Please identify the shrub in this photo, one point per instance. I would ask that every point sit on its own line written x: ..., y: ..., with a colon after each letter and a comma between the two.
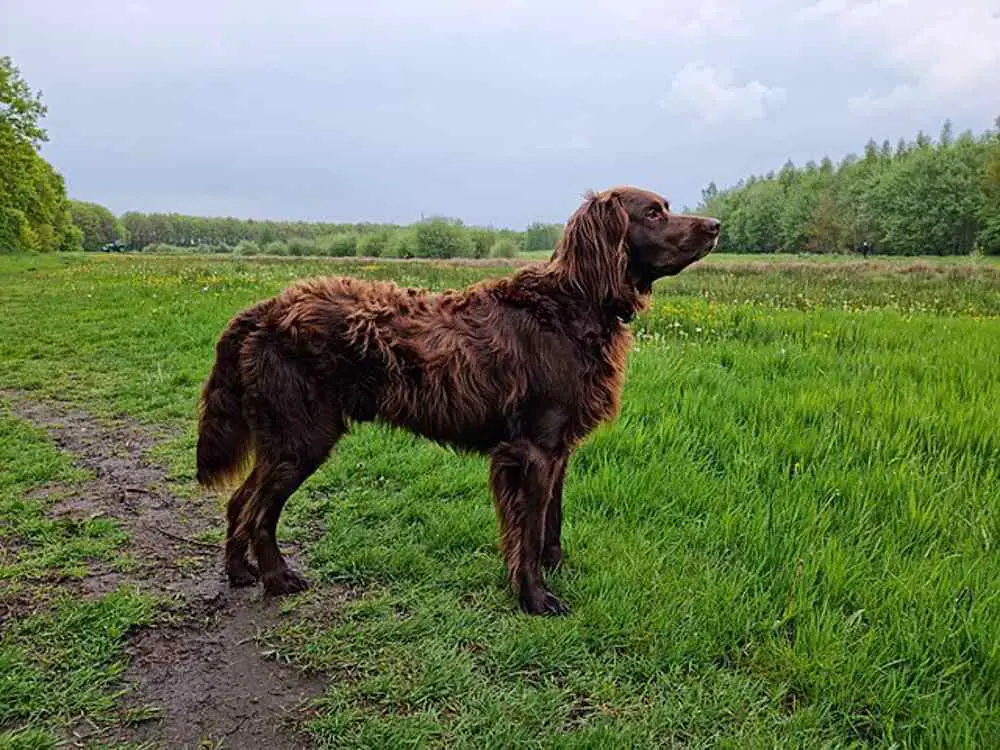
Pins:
x: 299, y: 247
x: 72, y: 241
x: 246, y: 247
x: 341, y: 245
x: 442, y: 238
x: 374, y: 245
x: 402, y: 244
x: 988, y: 240
x: 15, y: 231
x: 504, y: 248
x: 482, y: 241
x: 276, y: 247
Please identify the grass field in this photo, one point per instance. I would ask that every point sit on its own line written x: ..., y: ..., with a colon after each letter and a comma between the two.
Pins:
x: 788, y: 539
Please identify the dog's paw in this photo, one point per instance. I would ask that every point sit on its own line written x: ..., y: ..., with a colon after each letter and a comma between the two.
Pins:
x: 543, y: 602
x: 242, y: 574
x: 283, y: 581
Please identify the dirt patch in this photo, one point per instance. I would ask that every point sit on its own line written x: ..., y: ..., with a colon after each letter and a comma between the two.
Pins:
x: 201, y: 677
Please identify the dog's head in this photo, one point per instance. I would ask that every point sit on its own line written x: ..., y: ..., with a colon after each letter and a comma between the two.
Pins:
x: 622, y: 240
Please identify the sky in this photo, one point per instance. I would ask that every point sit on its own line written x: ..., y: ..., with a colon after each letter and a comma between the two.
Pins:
x: 500, y: 113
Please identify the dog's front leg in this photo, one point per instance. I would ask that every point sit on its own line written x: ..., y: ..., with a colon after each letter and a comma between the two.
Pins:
x: 522, y: 476
x: 552, y: 538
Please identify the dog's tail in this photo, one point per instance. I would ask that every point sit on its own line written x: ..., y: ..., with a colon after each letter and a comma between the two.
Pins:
x: 224, y: 437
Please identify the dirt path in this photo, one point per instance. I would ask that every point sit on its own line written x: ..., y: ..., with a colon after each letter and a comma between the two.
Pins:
x: 202, y: 670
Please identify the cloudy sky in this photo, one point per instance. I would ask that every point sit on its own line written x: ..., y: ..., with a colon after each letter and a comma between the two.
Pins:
x: 500, y: 112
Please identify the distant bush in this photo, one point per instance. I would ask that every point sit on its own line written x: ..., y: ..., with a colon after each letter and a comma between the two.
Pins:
x: 443, y: 238
x: 989, y: 237
x: 166, y: 248
x: 540, y: 236
x: 299, y: 247
x: 276, y: 247
x: 374, y: 244
x: 504, y: 248
x: 160, y: 248
x: 341, y: 245
x: 482, y: 240
x: 402, y: 244
x: 246, y: 247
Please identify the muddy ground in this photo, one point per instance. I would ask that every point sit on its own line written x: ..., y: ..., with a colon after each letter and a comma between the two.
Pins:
x: 199, y: 673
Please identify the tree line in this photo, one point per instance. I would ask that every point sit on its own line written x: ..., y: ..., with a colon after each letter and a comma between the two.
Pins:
x: 920, y: 197
x: 436, y: 237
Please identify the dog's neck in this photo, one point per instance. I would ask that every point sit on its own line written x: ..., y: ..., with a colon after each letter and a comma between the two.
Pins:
x: 608, y: 315
x: 625, y: 316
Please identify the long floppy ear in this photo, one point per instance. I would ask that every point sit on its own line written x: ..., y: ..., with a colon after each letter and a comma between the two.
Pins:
x: 592, y: 256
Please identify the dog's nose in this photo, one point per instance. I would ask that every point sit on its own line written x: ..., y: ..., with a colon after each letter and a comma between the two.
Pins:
x: 713, y: 226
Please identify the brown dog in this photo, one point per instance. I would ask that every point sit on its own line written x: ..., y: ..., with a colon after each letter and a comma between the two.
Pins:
x: 520, y: 369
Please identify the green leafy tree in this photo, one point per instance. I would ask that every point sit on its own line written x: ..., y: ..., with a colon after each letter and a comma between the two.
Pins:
x: 925, y: 197
x: 504, y: 248
x: 20, y: 107
x: 97, y: 224
x: 442, y: 238
x: 34, y: 212
x: 988, y: 239
x: 540, y: 236
x: 374, y: 244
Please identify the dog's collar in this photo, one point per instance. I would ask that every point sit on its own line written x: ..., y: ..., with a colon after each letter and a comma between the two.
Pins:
x: 624, y: 315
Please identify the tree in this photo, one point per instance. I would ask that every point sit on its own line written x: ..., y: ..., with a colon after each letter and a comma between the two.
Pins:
x: 759, y: 216
x: 540, y: 236
x: 945, y: 138
x: 924, y: 198
x: 97, y: 224
x: 503, y: 248
x: 928, y: 203
x: 988, y: 239
x: 20, y: 108
x: 709, y: 193
x: 442, y: 238
x: 34, y: 213
x: 826, y: 230
x: 374, y: 244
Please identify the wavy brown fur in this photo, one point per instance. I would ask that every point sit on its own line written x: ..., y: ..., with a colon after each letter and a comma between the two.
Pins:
x: 520, y: 369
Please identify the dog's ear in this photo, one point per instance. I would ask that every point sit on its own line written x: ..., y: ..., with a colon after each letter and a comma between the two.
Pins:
x: 593, y: 256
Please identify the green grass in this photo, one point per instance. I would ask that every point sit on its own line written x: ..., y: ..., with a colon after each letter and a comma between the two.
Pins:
x: 788, y: 539
x: 60, y: 655
x: 49, y: 549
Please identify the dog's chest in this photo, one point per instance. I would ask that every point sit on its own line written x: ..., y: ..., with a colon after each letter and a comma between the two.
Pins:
x: 600, y: 381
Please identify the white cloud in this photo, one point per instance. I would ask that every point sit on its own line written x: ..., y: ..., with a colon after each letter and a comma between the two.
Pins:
x: 874, y: 104
x: 713, y: 97
x: 943, y: 51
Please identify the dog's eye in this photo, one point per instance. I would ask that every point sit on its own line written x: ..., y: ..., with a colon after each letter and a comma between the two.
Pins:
x: 654, y: 213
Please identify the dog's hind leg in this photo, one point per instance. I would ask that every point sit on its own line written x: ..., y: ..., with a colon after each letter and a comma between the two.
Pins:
x: 295, y: 423
x: 239, y: 570
x: 287, y: 460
